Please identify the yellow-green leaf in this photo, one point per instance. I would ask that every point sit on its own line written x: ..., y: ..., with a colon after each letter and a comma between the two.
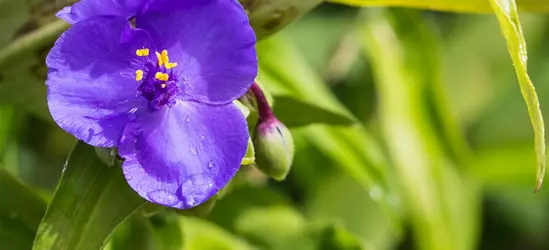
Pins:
x: 476, y: 6
x: 507, y: 14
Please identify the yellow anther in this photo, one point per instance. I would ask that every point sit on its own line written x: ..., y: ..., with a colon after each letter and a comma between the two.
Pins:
x: 170, y: 65
x: 139, y: 75
x: 159, y: 57
x: 164, y: 60
x: 142, y: 52
x: 161, y: 76
x: 163, y: 85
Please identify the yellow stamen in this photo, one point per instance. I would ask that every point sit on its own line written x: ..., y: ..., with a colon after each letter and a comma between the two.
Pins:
x: 165, y: 57
x: 159, y: 57
x: 164, y: 60
x: 139, y: 75
x: 161, y: 76
x: 170, y: 65
x: 142, y: 52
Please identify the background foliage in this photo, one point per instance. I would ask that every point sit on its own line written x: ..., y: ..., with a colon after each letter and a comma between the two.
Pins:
x: 409, y: 127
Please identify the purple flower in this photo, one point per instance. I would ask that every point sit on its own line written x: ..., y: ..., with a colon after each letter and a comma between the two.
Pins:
x: 161, y: 92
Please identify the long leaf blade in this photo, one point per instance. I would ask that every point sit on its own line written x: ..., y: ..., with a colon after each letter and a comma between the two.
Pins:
x: 474, y: 6
x: 507, y: 14
x: 90, y: 201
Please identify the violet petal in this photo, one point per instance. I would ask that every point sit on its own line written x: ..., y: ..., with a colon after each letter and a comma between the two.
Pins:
x: 84, y: 9
x: 181, y: 156
x: 212, y: 42
x: 91, y: 85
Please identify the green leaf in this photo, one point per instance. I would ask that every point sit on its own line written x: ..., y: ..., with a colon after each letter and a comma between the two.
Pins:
x: 502, y: 165
x: 300, y: 96
x: 249, y: 158
x: 136, y: 233
x: 507, y: 13
x: 294, y: 113
x: 334, y: 237
x: 276, y: 227
x: 474, y: 6
x: 168, y: 232
x: 395, y: 41
x: 202, y: 235
x: 20, y: 213
x: 162, y: 231
x: 241, y: 198
x: 268, y: 17
x: 90, y: 201
x: 359, y: 210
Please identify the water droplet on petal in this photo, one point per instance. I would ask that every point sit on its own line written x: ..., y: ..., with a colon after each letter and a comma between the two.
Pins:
x: 211, y: 164
x: 193, y: 150
x: 202, y: 137
x: 139, y: 187
x: 131, y: 114
x: 197, y: 189
x: 162, y: 197
x: 188, y: 119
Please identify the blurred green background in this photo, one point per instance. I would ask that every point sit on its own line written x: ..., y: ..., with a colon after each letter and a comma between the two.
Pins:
x: 409, y: 127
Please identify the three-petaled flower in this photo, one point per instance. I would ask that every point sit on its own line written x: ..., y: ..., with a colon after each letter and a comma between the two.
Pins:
x: 161, y: 90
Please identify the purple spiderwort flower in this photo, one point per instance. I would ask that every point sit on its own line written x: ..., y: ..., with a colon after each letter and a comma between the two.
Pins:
x: 161, y: 92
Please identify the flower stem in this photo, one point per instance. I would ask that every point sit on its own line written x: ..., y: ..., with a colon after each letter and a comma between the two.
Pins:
x: 264, y: 110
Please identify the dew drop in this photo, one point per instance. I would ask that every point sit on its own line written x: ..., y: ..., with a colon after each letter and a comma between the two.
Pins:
x: 162, y: 197
x: 188, y: 119
x: 64, y: 168
x: 197, y: 189
x: 202, y: 137
x: 376, y: 193
x: 193, y: 150
x: 211, y: 164
x: 139, y: 187
x: 131, y: 114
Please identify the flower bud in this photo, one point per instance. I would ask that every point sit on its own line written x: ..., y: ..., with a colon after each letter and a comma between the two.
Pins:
x: 273, y: 142
x: 274, y: 148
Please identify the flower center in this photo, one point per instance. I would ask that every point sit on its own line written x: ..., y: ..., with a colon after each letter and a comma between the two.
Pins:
x: 157, y: 81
